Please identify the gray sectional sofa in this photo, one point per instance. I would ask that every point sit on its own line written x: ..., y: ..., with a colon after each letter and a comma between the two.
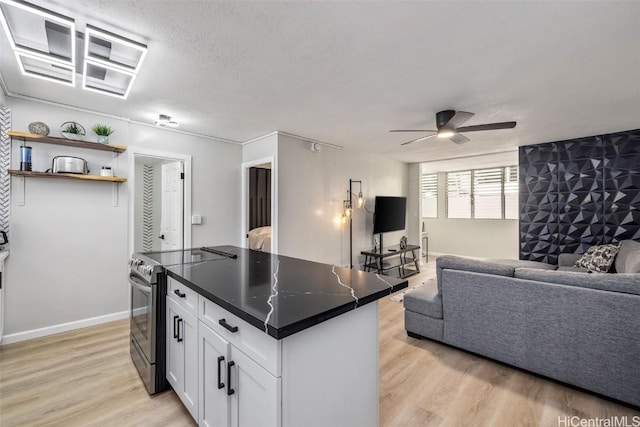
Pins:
x: 573, y: 326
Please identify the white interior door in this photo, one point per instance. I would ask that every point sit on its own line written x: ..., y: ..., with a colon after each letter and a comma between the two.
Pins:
x: 172, y: 214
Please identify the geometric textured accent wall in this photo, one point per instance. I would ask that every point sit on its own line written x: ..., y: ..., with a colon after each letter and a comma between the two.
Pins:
x: 622, y: 186
x: 147, y: 208
x: 538, y: 195
x: 5, y: 161
x: 578, y: 193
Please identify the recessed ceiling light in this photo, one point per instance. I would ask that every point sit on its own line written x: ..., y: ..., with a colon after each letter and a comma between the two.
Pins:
x: 165, y: 121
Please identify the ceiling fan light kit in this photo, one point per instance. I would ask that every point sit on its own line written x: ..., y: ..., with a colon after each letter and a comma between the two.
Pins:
x: 449, y: 124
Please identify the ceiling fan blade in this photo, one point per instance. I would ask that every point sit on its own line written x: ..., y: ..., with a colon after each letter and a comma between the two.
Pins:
x: 413, y: 130
x: 419, y: 139
x: 488, y: 126
x: 458, y: 119
x: 459, y: 139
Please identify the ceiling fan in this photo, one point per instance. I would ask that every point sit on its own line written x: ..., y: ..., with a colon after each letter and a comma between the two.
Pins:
x: 448, y: 123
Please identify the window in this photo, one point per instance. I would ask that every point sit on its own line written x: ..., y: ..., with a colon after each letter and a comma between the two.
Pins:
x: 490, y: 193
x: 429, y: 195
x: 487, y: 193
x: 511, y: 209
x: 459, y: 194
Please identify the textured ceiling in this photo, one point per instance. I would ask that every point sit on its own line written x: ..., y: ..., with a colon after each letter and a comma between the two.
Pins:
x: 347, y: 72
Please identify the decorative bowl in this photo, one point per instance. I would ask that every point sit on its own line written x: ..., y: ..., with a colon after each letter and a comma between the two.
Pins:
x: 39, y: 128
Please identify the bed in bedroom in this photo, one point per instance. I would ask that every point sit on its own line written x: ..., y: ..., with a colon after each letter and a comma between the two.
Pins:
x: 260, y: 239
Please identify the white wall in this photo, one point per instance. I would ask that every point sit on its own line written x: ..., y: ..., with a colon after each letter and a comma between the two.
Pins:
x: 260, y: 148
x: 487, y: 238
x: 3, y: 98
x: 311, y: 189
x: 69, y: 245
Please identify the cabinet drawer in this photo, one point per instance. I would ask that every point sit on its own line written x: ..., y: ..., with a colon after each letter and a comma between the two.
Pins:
x: 183, y: 295
x: 255, y: 343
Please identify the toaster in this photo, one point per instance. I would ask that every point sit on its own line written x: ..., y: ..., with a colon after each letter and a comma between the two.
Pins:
x: 68, y: 164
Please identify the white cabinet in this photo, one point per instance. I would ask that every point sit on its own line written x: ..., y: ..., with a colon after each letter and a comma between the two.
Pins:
x: 182, y: 354
x: 213, y: 402
x: 234, y: 391
x: 256, y: 397
x: 325, y: 375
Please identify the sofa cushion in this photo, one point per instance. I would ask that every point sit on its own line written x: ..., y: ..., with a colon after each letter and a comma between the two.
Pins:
x: 470, y: 264
x: 425, y: 299
x: 568, y: 260
x: 573, y: 268
x: 621, y: 282
x: 519, y: 263
x: 628, y: 258
x: 598, y: 258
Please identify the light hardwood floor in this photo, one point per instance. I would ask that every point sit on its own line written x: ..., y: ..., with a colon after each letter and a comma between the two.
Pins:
x: 86, y: 378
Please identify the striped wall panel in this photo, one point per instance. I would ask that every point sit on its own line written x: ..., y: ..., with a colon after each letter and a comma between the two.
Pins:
x: 147, y: 208
x: 5, y: 162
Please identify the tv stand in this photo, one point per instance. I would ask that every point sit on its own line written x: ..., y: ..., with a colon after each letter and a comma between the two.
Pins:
x: 393, y: 257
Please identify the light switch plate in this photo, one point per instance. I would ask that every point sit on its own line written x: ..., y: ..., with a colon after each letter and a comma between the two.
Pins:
x: 196, y: 219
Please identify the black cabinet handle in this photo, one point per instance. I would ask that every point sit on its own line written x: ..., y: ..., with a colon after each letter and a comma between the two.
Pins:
x: 161, y: 236
x: 227, y: 326
x: 175, y: 328
x: 180, y: 321
x: 180, y: 294
x: 230, y: 391
x: 220, y: 383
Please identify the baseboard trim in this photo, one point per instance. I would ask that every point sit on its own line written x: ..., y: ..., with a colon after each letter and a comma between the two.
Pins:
x: 439, y: 254
x: 62, y: 327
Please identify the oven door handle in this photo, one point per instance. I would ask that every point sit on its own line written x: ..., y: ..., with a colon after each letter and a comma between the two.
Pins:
x: 141, y: 286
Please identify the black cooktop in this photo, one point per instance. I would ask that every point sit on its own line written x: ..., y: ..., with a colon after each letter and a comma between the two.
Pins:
x: 178, y: 257
x: 278, y: 294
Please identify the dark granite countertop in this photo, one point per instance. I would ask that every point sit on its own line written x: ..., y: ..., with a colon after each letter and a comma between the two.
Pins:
x: 275, y: 293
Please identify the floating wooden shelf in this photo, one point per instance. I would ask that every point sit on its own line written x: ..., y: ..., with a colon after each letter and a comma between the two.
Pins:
x: 33, y: 174
x: 68, y: 142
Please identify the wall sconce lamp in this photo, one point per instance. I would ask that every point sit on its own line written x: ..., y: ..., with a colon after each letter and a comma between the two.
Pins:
x: 347, y: 209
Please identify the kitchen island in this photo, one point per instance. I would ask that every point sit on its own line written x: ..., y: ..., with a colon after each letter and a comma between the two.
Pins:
x: 260, y: 339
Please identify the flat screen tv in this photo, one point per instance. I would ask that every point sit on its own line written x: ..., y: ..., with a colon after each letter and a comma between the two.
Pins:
x: 389, y: 214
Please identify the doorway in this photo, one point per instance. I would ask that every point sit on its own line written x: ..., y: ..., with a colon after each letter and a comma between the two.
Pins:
x: 160, y: 202
x: 259, y: 205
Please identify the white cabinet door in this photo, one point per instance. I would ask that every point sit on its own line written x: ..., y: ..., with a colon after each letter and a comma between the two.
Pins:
x: 255, y: 401
x: 189, y: 334
x: 214, y: 354
x: 175, y: 349
x: 182, y: 355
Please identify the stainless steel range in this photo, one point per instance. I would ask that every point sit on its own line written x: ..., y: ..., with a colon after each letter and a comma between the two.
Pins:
x: 148, y: 288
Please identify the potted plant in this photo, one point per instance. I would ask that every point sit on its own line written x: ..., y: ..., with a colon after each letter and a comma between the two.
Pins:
x: 73, y: 130
x: 103, y: 132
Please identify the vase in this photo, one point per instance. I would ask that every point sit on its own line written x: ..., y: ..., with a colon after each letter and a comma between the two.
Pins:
x: 103, y: 139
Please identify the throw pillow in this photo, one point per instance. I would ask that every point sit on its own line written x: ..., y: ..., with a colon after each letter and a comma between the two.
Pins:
x: 598, y: 258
